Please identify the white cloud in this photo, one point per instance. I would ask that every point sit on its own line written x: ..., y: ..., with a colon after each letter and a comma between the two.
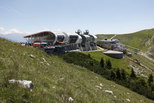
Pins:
x: 5, y: 31
x: 1, y: 28
x: 12, y: 31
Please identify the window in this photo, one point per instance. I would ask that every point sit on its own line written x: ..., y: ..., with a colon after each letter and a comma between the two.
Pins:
x: 73, y: 38
x: 60, y: 38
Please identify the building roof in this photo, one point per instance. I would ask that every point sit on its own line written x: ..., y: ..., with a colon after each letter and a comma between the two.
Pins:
x: 39, y: 34
x: 43, y: 33
x: 109, y: 40
x: 112, y: 52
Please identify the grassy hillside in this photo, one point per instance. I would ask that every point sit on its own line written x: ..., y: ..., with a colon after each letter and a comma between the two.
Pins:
x: 125, y: 62
x: 141, y: 40
x: 116, y: 63
x: 54, y: 80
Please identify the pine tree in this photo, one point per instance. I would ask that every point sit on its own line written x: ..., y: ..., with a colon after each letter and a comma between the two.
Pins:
x: 102, y: 63
x: 152, y: 86
x: 113, y: 75
x: 133, y: 75
x: 108, y: 64
x: 143, y: 82
x: 123, y: 74
x: 118, y: 74
x: 150, y: 79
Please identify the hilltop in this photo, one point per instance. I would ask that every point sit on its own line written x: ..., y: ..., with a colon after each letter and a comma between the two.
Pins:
x: 142, y: 40
x: 54, y: 79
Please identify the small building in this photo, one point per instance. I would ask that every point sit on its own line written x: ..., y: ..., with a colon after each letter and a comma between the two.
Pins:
x: 114, y: 54
x: 111, y: 44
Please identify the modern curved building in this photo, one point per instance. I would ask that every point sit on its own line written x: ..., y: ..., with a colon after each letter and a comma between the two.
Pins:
x: 62, y: 40
x: 54, y: 38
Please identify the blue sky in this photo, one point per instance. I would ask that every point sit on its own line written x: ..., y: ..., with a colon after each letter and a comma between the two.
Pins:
x: 99, y: 16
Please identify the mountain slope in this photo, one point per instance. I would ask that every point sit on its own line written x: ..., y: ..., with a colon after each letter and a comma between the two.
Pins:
x: 142, y: 40
x: 54, y: 80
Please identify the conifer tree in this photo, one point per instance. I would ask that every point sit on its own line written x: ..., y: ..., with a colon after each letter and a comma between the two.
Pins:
x: 150, y: 79
x: 123, y: 74
x: 118, y: 74
x: 102, y: 63
x: 108, y: 64
x: 113, y: 75
x: 133, y: 75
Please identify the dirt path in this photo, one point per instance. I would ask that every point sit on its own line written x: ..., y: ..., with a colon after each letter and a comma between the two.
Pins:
x: 100, y: 49
x: 113, y: 36
x: 146, y: 56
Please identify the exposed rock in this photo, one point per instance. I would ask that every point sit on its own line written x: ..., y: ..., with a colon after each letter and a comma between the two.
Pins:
x: 128, y: 100
x: 25, y: 83
x: 44, y: 59
x: 101, y: 84
x: 115, y: 96
x: 108, y: 91
x: 97, y: 86
x: 32, y: 56
x: 70, y: 99
x: 48, y: 64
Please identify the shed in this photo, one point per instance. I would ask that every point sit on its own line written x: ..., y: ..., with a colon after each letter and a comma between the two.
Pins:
x: 114, y: 54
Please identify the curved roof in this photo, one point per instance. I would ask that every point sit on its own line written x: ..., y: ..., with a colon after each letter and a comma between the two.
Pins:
x: 112, y: 52
x: 43, y: 33
x: 109, y: 40
x: 39, y: 34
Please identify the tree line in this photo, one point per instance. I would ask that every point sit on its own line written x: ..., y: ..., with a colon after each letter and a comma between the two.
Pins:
x: 132, y: 81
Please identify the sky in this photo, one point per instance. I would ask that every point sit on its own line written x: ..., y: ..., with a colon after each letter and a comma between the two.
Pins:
x: 98, y: 16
